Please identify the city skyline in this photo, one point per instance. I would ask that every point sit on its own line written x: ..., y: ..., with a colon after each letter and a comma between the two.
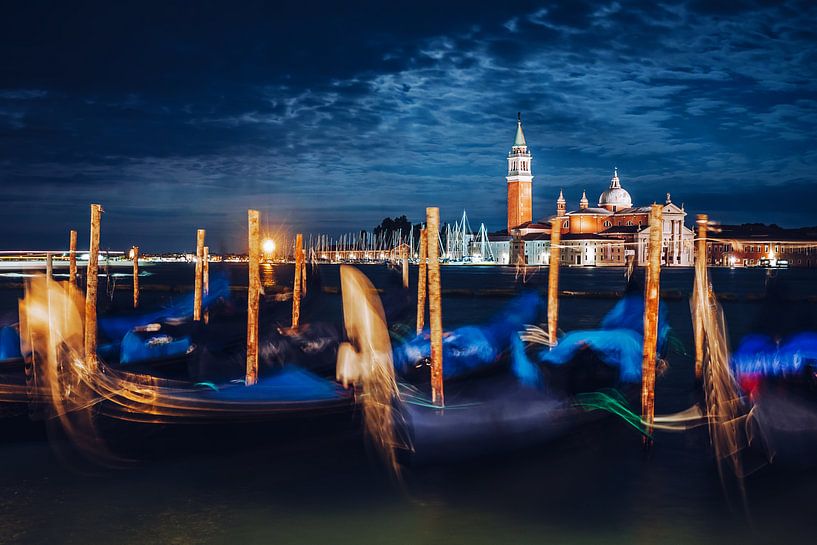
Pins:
x: 331, y: 120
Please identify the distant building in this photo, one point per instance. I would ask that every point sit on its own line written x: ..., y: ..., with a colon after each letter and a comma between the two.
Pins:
x: 603, y: 235
x: 500, y: 247
x: 519, y: 178
x: 757, y: 245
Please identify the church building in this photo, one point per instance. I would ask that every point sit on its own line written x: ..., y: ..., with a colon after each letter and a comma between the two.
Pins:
x: 601, y: 235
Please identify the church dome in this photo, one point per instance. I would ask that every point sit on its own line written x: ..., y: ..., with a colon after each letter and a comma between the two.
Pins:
x: 616, y: 197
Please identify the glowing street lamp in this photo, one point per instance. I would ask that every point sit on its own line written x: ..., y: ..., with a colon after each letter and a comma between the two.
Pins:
x: 268, y: 247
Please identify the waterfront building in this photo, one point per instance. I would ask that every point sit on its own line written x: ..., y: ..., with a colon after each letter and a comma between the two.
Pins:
x: 536, y: 248
x: 614, y: 230
x: 602, y: 235
x: 500, y: 247
x: 757, y: 245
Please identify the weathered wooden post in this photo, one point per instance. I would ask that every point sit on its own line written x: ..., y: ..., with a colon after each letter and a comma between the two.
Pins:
x: 518, y: 244
x: 135, y: 253
x: 205, y: 281
x: 49, y: 265
x: 435, y: 305
x: 303, y: 273
x: 651, y: 297
x: 296, y: 289
x: 253, y: 293
x: 91, y: 285
x: 422, y: 276
x: 553, y: 278
x: 198, y: 282
x: 700, y: 292
x: 72, y: 257
x: 405, y: 263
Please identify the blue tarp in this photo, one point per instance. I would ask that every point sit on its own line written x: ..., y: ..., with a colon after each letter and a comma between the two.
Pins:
x: 290, y: 383
x: 469, y: 348
x: 629, y: 314
x: 117, y: 327
x: 140, y: 347
x: 761, y: 355
x: 618, y: 343
x: 525, y: 370
x: 620, y: 348
x: 9, y: 343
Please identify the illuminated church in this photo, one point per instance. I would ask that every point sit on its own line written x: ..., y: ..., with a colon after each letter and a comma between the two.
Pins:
x: 602, y: 235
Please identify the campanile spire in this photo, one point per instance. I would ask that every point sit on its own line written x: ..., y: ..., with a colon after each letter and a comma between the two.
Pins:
x: 519, y: 179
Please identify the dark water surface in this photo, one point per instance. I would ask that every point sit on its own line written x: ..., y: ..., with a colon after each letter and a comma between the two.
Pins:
x: 594, y: 486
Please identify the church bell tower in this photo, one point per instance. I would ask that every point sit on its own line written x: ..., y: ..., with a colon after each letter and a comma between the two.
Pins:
x: 519, y: 180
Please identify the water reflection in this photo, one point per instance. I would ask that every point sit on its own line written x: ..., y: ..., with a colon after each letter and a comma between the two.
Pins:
x: 267, y: 275
x: 329, y: 492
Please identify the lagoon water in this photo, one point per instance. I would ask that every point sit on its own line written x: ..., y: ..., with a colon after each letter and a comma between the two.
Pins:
x: 596, y: 485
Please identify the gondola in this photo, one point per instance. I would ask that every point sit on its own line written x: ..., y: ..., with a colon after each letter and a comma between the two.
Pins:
x: 775, y: 369
x: 157, y: 386
x: 501, y: 395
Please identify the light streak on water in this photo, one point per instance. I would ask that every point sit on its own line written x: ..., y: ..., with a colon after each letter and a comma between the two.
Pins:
x: 365, y: 361
x: 725, y: 408
x: 75, y: 395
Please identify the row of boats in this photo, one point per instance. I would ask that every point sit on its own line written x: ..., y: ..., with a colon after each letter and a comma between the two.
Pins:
x: 506, y: 387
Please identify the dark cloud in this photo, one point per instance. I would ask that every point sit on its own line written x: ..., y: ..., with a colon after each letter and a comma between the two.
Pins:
x: 330, y: 116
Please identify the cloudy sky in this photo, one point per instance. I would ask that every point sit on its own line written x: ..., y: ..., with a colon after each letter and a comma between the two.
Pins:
x: 178, y: 115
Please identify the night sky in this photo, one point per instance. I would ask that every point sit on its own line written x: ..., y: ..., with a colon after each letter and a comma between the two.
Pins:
x: 328, y: 117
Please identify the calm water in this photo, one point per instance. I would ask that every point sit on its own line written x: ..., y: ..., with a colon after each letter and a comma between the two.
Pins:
x: 594, y: 486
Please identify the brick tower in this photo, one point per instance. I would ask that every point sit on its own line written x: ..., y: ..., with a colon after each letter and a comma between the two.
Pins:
x: 519, y: 180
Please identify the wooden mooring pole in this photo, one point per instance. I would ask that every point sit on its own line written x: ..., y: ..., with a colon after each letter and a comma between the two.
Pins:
x: 253, y: 294
x: 205, y: 280
x: 72, y: 257
x: 91, y: 286
x: 435, y: 305
x: 135, y: 254
x: 700, y: 274
x: 296, y: 288
x: 405, y: 263
x: 49, y: 265
x: 422, y: 277
x: 553, y: 279
x: 651, y: 297
x: 303, y: 273
x: 199, y: 269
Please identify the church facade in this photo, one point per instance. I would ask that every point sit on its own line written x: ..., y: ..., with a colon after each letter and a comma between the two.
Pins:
x: 606, y: 234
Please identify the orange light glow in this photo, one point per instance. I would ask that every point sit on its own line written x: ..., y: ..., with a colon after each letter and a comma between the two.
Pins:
x: 268, y: 246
